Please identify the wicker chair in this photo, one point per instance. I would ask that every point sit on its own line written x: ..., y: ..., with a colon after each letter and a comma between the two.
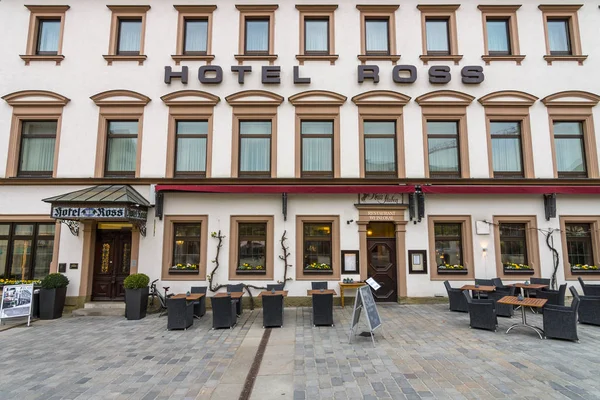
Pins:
x: 589, y: 308
x: 554, y: 297
x: 503, y: 310
x: 276, y: 286
x: 456, y: 299
x: 589, y: 290
x: 500, y: 286
x: 238, y: 302
x: 537, y: 281
x: 272, y: 311
x: 560, y: 322
x: 200, y: 305
x: 482, y: 313
x: 322, y: 309
x: 180, y: 314
x: 224, y: 313
x: 318, y: 285
x: 483, y: 282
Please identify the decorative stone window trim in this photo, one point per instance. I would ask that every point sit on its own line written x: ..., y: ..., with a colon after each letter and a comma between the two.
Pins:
x: 568, y: 12
x: 382, y: 12
x: 119, y: 12
x: 37, y: 14
x: 531, y: 236
x: 575, y: 105
x: 510, y: 105
x: 118, y: 105
x: 447, y: 105
x: 594, y: 222
x: 233, y: 247
x: 440, y: 11
x: 334, y: 220
x: 32, y: 105
x: 383, y: 105
x: 168, y: 231
x: 508, y: 12
x: 466, y: 242
x: 323, y: 11
x: 189, y: 105
x: 193, y: 12
x: 257, y: 105
x: 315, y: 105
x: 256, y: 11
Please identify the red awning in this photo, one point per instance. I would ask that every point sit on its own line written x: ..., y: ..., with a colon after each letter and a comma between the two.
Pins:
x: 313, y: 189
x: 521, y: 189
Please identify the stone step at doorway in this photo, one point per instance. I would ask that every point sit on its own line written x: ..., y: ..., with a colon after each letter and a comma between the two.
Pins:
x: 101, y: 309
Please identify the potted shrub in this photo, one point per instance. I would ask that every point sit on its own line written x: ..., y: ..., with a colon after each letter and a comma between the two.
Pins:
x: 136, y: 295
x: 53, y: 295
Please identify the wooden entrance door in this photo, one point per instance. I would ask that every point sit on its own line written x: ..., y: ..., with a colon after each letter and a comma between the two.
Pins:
x: 381, y: 258
x: 111, y: 264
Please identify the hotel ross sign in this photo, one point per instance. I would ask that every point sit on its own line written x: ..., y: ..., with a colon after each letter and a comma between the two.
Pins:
x: 74, y: 213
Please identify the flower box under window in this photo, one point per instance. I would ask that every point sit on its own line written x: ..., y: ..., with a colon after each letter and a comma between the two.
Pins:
x: 184, y: 269
x: 518, y: 269
x: 584, y: 269
x: 318, y: 268
x: 251, y: 269
x: 452, y: 269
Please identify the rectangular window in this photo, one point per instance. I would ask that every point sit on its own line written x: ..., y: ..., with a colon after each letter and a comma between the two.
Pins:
x: 442, y: 148
x: 252, y: 247
x: 38, y: 139
x: 186, y: 248
x: 190, y: 150
x: 255, y: 148
x: 317, y: 147
x: 498, y: 36
x: 195, y: 36
x: 438, y: 41
x: 257, y: 36
x: 448, y: 247
x: 570, y: 150
x: 316, y: 36
x: 377, y: 36
x: 317, y: 247
x: 26, y: 250
x: 121, y: 149
x: 48, y: 37
x: 513, y: 247
x: 380, y: 147
x: 559, y: 37
x: 579, y: 246
x: 129, y: 37
x: 506, y: 149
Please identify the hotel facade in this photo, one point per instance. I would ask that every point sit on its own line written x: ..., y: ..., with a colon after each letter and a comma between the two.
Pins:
x: 412, y: 142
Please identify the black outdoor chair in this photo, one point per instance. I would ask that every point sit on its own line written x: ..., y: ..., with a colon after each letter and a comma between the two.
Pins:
x: 322, y: 309
x: 483, y: 282
x: 589, y: 290
x: 238, y: 302
x: 319, y: 285
x: 503, y: 310
x: 272, y: 311
x: 500, y: 286
x: 536, y: 281
x: 180, y: 314
x: 224, y: 313
x: 482, y: 313
x: 276, y: 286
x: 560, y: 322
x: 456, y: 299
x: 589, y: 308
x: 554, y: 297
x: 200, y: 305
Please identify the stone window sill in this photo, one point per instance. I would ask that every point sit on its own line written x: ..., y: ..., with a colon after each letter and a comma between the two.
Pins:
x: 365, y: 57
x: 579, y: 59
x: 327, y: 57
x: 29, y: 58
x: 178, y: 58
x: 516, y: 58
x: 455, y: 58
x: 112, y: 58
x: 243, y: 57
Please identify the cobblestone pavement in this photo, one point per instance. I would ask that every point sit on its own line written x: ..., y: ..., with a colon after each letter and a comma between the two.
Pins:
x: 423, y: 351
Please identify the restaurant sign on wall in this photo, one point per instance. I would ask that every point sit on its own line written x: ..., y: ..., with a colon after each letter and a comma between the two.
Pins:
x: 97, y: 213
x: 383, y: 198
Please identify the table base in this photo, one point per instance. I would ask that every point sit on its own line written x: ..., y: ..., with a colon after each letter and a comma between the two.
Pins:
x: 524, y: 324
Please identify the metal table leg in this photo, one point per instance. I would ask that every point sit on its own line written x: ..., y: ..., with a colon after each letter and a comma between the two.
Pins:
x: 524, y: 323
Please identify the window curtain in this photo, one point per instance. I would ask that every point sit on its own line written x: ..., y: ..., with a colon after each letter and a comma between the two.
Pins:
x: 379, y: 155
x: 196, y: 33
x: 3, y: 252
x: 443, y: 155
x: 121, y: 154
x: 506, y: 155
x: 569, y: 155
x: 191, y: 154
x: 437, y: 35
x: 498, y: 36
x: 316, y: 35
x: 49, y: 36
x: 376, y: 35
x: 130, y: 36
x: 558, y: 35
x: 37, y: 153
x: 255, y: 152
x: 257, y: 35
x: 317, y: 151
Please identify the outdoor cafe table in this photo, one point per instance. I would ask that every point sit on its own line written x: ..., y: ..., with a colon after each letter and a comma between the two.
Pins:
x: 479, y: 288
x: 190, y: 297
x: 273, y: 312
x: 235, y: 296
x: 526, y: 302
x: 532, y: 286
x: 322, y: 302
x: 351, y: 285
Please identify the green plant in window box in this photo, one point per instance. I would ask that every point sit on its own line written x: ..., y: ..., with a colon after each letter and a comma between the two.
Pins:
x: 517, y: 267
x: 35, y: 282
x: 451, y: 267
x: 185, y: 267
x: 318, y: 267
x: 250, y: 267
x: 584, y: 267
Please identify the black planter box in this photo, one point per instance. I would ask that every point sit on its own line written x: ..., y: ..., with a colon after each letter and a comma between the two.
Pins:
x: 319, y: 271
x: 453, y: 271
x: 52, y: 302
x: 585, y: 271
x: 519, y: 271
x: 136, y: 303
x: 251, y: 271
x: 184, y: 271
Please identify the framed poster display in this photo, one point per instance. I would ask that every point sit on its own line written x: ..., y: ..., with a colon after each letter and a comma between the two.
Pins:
x: 16, y: 302
x: 417, y: 261
x: 350, y: 262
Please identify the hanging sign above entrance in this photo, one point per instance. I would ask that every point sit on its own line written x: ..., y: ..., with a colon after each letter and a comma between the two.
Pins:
x: 383, y: 198
x: 97, y: 212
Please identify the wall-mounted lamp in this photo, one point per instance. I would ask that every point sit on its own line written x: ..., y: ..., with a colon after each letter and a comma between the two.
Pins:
x: 484, y: 250
x: 349, y: 221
